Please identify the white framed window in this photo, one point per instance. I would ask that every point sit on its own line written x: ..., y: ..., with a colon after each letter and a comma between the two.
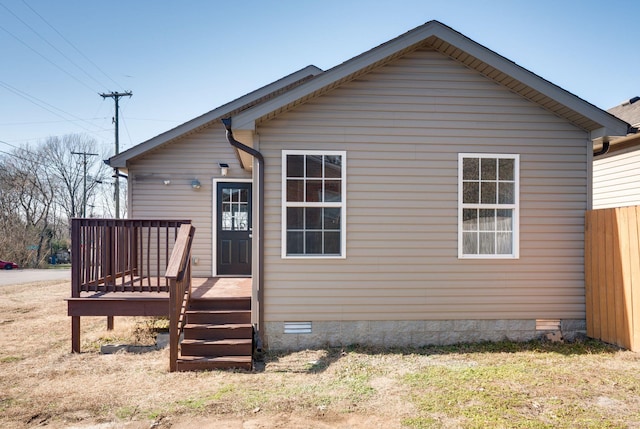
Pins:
x: 314, y: 204
x: 488, y: 205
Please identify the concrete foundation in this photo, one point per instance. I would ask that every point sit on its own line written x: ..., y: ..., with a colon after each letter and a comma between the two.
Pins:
x: 411, y: 333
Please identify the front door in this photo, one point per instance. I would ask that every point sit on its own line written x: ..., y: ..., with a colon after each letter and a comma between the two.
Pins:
x: 234, y: 228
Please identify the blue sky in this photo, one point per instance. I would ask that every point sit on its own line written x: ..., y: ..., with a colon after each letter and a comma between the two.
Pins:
x: 183, y: 58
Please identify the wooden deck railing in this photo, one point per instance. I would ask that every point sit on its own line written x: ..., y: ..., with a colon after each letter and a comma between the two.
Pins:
x: 121, y: 255
x: 179, y: 277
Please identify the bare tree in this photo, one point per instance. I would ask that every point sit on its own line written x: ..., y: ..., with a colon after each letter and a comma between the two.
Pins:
x: 41, y: 189
x: 66, y: 157
x: 28, y: 196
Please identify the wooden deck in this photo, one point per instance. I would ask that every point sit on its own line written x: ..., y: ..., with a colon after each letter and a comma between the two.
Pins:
x: 142, y: 267
x: 154, y: 303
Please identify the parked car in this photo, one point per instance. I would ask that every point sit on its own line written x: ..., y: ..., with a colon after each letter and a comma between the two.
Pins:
x: 4, y: 265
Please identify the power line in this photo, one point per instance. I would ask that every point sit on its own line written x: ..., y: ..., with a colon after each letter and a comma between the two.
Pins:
x: 46, y: 59
x: 71, y: 44
x: 51, y: 122
x: 42, y: 104
x: 23, y: 159
x: 50, y: 44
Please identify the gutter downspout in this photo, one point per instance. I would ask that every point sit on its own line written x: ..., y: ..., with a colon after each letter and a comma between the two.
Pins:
x: 258, y: 157
x: 603, y: 150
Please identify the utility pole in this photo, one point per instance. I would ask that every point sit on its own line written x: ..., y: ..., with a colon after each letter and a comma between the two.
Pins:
x: 84, y: 190
x: 116, y: 97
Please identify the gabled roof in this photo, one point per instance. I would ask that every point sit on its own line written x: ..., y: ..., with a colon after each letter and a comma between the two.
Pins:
x: 449, y: 42
x: 247, y: 101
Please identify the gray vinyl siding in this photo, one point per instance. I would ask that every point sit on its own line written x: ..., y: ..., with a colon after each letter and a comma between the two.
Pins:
x: 193, y: 157
x: 402, y: 127
x: 616, y: 180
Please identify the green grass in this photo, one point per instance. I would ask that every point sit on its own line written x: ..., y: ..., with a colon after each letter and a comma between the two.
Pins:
x: 511, y: 385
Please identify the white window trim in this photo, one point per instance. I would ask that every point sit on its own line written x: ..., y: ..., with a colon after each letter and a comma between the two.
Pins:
x: 342, y: 204
x: 515, y: 207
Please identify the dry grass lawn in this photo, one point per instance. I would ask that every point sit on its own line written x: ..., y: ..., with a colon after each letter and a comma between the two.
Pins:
x: 533, y: 385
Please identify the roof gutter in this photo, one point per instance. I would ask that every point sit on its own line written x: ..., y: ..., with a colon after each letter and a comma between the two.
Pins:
x: 628, y: 141
x: 260, y: 185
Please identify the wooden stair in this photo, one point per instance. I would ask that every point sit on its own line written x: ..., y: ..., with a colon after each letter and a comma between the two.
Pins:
x: 218, y: 335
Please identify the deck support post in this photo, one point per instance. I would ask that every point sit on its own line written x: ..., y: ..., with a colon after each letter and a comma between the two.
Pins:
x: 75, y: 334
x: 109, y: 323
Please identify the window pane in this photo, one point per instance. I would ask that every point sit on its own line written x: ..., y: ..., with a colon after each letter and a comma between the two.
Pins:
x: 295, y: 243
x: 226, y: 194
x: 505, y: 243
x: 487, y: 243
x: 470, y: 220
x: 314, y: 191
x: 313, y: 218
x: 243, y: 195
x: 471, y: 192
x: 332, y: 218
x: 488, y: 168
x: 295, y: 218
x: 333, y: 166
x: 295, y: 165
x: 506, y: 169
x: 314, y: 165
x: 470, y: 243
x: 332, y: 243
x: 332, y: 190
x: 313, y: 242
x: 506, y: 194
x: 295, y: 190
x: 487, y: 220
x: 227, y: 218
x: 470, y: 169
x: 504, y: 220
x: 488, y: 192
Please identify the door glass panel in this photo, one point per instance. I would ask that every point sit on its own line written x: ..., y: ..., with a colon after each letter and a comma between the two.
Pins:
x: 235, y: 210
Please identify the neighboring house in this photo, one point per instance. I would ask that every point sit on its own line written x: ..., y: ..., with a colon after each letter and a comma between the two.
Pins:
x: 616, y: 169
x: 428, y: 191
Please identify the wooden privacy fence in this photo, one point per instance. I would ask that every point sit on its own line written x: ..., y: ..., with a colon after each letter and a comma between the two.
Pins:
x: 612, y: 275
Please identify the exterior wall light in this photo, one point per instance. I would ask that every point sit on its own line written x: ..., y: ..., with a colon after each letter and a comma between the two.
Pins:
x: 167, y: 182
x: 195, y: 184
x: 224, y: 169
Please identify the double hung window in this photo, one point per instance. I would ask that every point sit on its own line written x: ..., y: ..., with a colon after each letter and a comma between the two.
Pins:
x: 488, y: 194
x: 313, y: 203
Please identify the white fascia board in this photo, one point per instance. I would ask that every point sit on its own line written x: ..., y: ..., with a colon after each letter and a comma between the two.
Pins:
x: 611, y: 124
x: 120, y: 160
x: 246, y: 120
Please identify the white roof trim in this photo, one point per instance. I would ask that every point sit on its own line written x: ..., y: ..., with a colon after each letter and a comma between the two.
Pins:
x: 120, y: 160
x: 610, y: 124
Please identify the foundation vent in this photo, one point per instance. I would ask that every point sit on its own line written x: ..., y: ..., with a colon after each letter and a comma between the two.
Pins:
x: 297, y: 327
x: 547, y: 324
